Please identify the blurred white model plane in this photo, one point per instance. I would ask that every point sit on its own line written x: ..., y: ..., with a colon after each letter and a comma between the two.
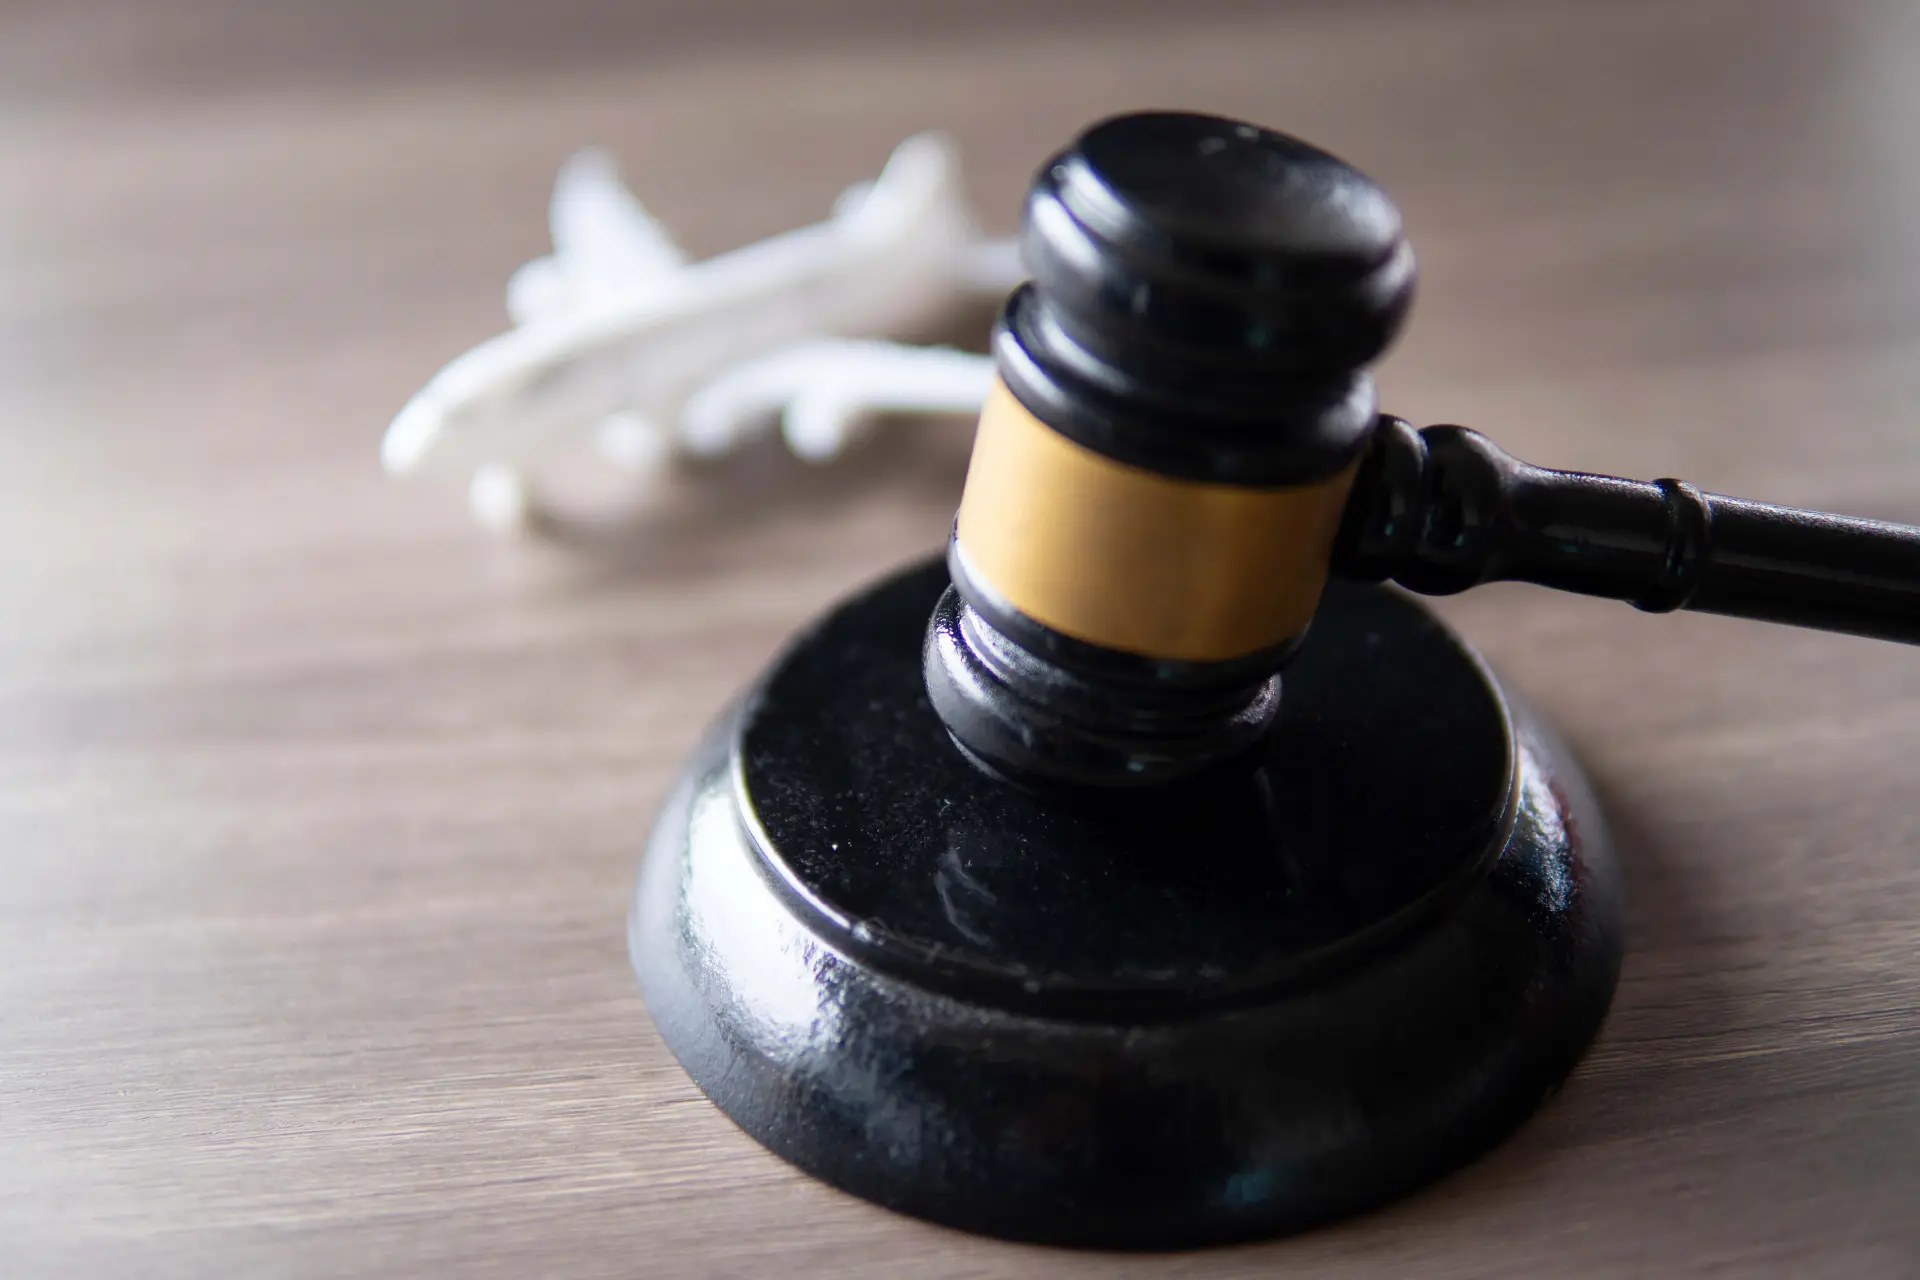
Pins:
x: 617, y: 333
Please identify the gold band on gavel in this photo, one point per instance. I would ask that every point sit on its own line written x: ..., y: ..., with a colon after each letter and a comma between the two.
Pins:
x: 1129, y: 559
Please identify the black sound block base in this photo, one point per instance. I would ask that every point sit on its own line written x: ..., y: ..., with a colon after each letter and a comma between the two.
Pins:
x: 1290, y: 991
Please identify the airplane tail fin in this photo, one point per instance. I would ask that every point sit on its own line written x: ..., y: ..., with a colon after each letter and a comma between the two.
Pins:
x: 919, y: 186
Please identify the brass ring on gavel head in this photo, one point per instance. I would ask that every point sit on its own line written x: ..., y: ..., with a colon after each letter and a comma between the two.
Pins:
x: 1128, y: 559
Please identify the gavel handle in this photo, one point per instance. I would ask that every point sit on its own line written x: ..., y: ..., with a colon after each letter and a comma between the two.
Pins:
x: 1444, y: 509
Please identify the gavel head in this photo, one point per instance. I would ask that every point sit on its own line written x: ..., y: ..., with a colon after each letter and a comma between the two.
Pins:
x: 1162, y: 464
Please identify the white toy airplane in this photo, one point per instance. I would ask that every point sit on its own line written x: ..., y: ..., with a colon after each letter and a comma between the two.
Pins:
x: 617, y: 333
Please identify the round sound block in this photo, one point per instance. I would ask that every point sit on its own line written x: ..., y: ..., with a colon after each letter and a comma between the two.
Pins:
x: 1291, y: 990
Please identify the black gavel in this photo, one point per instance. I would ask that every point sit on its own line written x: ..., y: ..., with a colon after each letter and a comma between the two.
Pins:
x: 1057, y: 917
x: 1184, y: 441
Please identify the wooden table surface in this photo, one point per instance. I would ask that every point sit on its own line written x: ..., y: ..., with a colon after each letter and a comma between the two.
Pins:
x: 319, y: 808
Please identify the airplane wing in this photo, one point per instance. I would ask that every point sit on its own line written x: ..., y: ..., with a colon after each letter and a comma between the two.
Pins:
x: 606, y: 246
x: 824, y: 391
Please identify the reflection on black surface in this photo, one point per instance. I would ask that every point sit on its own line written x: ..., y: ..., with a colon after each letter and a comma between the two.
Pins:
x: 1387, y: 770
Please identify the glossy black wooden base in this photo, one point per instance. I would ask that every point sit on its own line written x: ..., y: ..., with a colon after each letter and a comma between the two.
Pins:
x: 1283, y: 993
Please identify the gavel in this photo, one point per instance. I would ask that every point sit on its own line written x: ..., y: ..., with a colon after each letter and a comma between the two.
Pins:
x: 1019, y: 894
x: 1183, y: 441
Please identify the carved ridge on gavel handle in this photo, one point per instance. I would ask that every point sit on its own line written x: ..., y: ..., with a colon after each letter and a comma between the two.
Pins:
x: 1443, y: 509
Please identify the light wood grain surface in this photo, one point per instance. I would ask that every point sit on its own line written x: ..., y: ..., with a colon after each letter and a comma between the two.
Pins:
x: 319, y: 809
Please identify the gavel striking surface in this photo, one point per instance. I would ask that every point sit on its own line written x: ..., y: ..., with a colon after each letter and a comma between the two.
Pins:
x: 1185, y: 1015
